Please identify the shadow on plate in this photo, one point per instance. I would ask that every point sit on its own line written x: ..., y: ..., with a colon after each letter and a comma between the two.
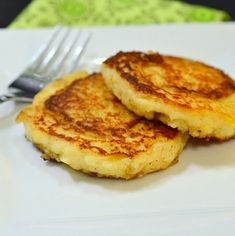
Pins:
x: 8, y: 113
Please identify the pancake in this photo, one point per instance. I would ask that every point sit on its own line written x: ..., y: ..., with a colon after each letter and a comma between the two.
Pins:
x: 182, y: 93
x: 77, y: 121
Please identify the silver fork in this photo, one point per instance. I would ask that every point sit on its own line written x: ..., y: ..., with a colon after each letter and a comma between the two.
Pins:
x: 57, y: 57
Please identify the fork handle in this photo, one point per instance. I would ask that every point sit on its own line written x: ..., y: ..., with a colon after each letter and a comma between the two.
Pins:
x: 14, y: 97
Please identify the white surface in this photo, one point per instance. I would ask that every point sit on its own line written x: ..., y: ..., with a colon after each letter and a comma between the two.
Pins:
x: 194, y: 197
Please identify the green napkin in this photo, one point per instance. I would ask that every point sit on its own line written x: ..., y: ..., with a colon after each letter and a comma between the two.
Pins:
x: 45, y: 13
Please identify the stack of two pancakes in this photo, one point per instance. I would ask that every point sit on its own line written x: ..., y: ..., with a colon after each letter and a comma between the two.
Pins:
x: 134, y: 117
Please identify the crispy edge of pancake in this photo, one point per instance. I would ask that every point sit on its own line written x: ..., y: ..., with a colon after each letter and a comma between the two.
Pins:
x: 205, y: 124
x: 161, y: 155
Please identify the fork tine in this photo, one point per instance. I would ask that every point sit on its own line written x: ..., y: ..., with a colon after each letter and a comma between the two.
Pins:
x: 75, y: 52
x: 79, y: 53
x: 71, y: 48
x: 55, y: 54
x: 37, y: 61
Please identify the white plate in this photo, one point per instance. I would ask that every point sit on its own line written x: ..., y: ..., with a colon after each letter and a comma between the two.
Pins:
x: 194, y: 197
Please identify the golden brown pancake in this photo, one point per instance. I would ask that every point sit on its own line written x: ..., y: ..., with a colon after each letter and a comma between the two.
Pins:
x: 78, y: 121
x: 182, y: 93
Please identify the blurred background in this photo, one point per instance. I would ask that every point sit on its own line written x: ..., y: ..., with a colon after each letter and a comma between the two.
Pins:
x: 27, y: 14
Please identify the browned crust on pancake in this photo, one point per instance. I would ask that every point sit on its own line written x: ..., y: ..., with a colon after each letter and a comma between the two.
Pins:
x: 186, y: 83
x: 95, y: 120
